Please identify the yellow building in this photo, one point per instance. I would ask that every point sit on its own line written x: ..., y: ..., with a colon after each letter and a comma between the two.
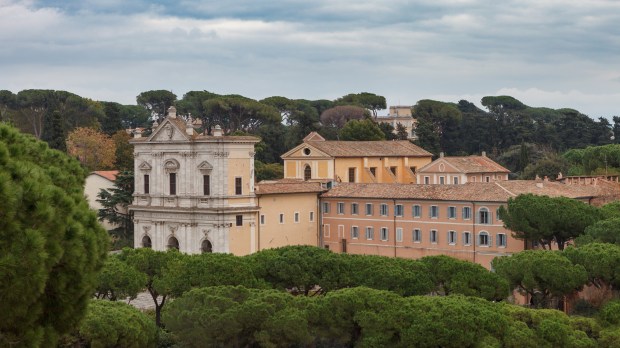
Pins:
x: 355, y: 161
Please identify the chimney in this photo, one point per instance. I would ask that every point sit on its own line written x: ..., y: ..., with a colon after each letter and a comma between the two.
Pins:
x: 546, y: 178
x: 172, y: 112
x: 484, y: 154
x: 137, y: 134
x: 217, y: 131
x: 441, y: 154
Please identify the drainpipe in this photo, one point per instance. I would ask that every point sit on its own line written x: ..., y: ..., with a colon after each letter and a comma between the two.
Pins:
x: 473, y: 219
x: 319, y: 219
x: 258, y: 225
x: 394, y: 225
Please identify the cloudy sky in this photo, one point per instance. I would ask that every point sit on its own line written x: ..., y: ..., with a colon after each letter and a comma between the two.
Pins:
x: 553, y: 53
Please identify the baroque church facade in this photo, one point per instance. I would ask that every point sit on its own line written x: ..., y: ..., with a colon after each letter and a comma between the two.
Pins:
x: 194, y: 192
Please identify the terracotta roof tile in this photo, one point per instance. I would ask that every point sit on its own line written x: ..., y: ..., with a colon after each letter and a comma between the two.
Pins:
x: 480, y: 192
x: 472, y: 164
x: 287, y: 186
x: 384, y: 148
x: 108, y: 174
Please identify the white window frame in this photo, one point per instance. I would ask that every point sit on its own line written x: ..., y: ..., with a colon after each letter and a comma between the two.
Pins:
x: 452, y: 237
x: 487, y: 220
x: 468, y: 215
x: 427, y: 180
x: 451, y: 210
x: 384, y: 233
x: 435, y: 209
x: 370, y: 233
x: 482, y: 234
x: 355, y: 232
x: 416, y: 235
x: 433, y: 237
x: 455, y: 180
x: 467, y: 238
x: 413, y: 211
x: 355, y: 208
x: 368, y: 208
x: 340, y: 208
x: 399, y: 234
x: 384, y: 210
x: 325, y: 208
x: 399, y: 210
x: 442, y: 180
x: 499, y: 238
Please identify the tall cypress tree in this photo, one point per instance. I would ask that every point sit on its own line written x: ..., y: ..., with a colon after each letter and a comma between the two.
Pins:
x: 54, y: 132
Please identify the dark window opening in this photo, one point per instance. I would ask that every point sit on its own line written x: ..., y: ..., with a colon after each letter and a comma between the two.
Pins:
x: 238, y: 190
x: 173, y: 183
x: 206, y: 185
x: 146, y: 184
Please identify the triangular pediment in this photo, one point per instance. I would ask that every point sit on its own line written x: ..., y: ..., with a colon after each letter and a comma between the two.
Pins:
x: 205, y: 166
x: 305, y: 150
x: 439, y: 165
x: 145, y: 166
x: 168, y: 130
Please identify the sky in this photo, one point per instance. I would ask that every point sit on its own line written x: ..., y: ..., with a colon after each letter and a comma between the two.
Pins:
x: 547, y: 53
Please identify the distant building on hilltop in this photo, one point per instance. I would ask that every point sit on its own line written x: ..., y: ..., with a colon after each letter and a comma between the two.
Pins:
x: 454, y: 170
x: 400, y: 114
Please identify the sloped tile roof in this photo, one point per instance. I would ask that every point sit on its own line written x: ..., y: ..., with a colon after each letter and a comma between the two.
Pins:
x: 471, y: 164
x: 480, y: 192
x: 108, y: 174
x: 385, y: 148
x: 287, y: 186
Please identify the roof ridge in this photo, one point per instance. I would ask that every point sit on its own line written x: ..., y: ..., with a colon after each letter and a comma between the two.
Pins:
x: 505, y: 189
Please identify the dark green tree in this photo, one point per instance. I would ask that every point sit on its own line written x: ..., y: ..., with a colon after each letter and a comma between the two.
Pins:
x: 269, y: 171
x: 388, y: 131
x: 156, y: 102
x: 540, y: 274
x: 52, y: 245
x: 401, y: 132
x: 369, y: 101
x: 115, y: 203
x: 112, y: 122
x: 603, y: 231
x: 118, y: 280
x: 365, y: 129
x: 113, y: 324
x: 601, y: 261
x: 55, y: 135
x: 438, y: 126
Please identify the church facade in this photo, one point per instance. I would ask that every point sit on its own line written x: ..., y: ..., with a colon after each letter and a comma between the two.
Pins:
x: 194, y: 192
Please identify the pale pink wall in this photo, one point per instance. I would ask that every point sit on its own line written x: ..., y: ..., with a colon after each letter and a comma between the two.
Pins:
x: 407, y: 247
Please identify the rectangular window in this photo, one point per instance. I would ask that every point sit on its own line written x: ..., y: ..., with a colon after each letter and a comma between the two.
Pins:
x: 383, y: 209
x: 487, y: 178
x: 417, y: 235
x: 427, y: 180
x: 417, y: 211
x: 452, y: 237
x: 311, y: 216
x: 173, y: 183
x: 442, y: 180
x: 452, y: 212
x: 384, y: 233
x: 281, y: 218
x: 326, y: 231
x: 262, y: 219
x: 455, y: 180
x: 340, y: 208
x: 351, y: 174
x: 355, y: 233
x: 413, y: 169
x: 466, y: 213
x: 206, y: 185
x: 484, y: 216
x: 434, y: 236
x: 393, y: 170
x: 466, y: 238
x: 370, y: 233
x: 325, y: 207
x: 354, y: 209
x: 368, y: 208
x: 238, y: 186
x: 399, y: 234
x: 239, y: 220
x: 434, y: 212
x: 373, y: 171
x: 501, y: 240
x: 398, y: 210
x: 296, y: 217
x: 146, y: 184
x: 483, y: 239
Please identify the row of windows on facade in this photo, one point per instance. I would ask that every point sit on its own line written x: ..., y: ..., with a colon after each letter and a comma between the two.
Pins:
x: 483, y: 238
x: 206, y: 184
x: 295, y: 218
x: 352, y: 172
x: 483, y: 216
x: 173, y: 243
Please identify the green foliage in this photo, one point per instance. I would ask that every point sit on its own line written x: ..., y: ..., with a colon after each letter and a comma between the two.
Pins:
x: 115, y: 203
x: 365, y: 129
x: 52, y: 245
x: 601, y: 261
x: 603, y: 231
x: 543, y: 275
x: 269, y: 171
x: 115, y: 324
x: 237, y: 317
x: 437, y: 127
x: 388, y: 131
x: 453, y: 276
x: 234, y: 113
x: 117, y: 280
x: 609, y: 314
x: 547, y: 219
x: 366, y: 100
x: 156, y: 102
x: 55, y: 133
x: 549, y: 166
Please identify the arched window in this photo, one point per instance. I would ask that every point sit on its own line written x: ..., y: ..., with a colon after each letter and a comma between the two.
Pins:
x: 206, y: 246
x: 173, y: 243
x: 307, y: 173
x: 484, y: 239
x: 146, y: 242
x: 483, y: 216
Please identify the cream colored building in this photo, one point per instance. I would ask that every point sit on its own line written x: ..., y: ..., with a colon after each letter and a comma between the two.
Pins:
x: 455, y: 170
x: 95, y: 182
x: 400, y: 114
x: 355, y: 161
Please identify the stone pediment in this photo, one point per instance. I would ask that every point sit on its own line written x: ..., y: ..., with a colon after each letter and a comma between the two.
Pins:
x: 205, y: 166
x: 169, y: 131
x: 305, y: 150
x: 145, y: 166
